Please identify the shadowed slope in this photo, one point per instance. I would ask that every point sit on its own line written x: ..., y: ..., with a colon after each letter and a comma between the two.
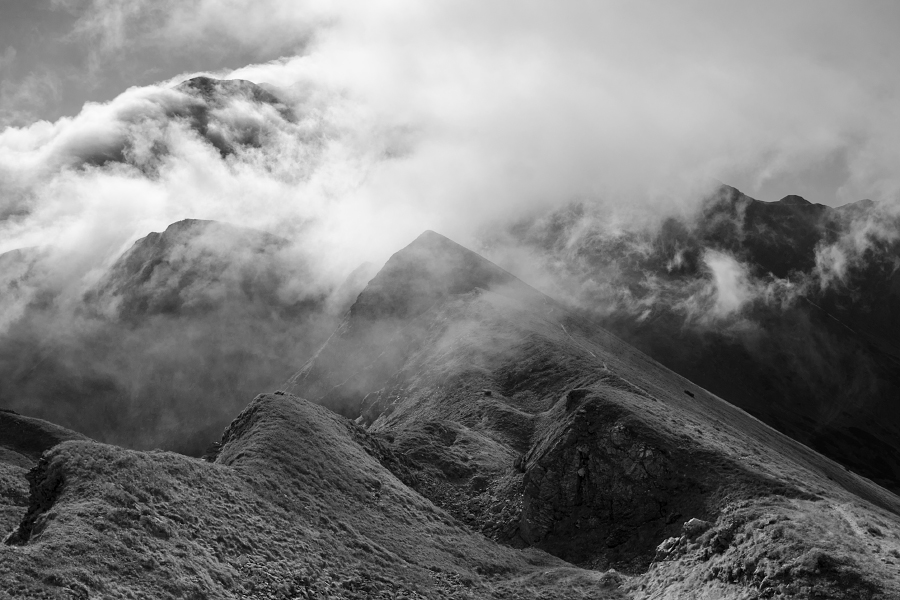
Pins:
x: 813, y: 348
x: 30, y: 437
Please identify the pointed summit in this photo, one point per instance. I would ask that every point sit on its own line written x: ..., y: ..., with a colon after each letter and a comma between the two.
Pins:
x: 219, y: 91
x: 429, y: 269
x: 794, y: 200
x: 386, y: 321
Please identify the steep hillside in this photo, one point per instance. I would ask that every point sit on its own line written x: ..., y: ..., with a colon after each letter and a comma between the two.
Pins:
x: 501, y: 446
x: 370, y: 343
x: 787, y: 309
x: 298, y: 504
x: 22, y: 442
x: 539, y: 428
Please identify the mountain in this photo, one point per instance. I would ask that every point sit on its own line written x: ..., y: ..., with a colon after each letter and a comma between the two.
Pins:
x: 231, y: 115
x: 364, y: 349
x: 213, y: 95
x: 196, y: 267
x: 191, y: 321
x: 537, y: 427
x: 812, y: 343
x: 499, y: 445
x: 171, y: 341
x: 298, y: 504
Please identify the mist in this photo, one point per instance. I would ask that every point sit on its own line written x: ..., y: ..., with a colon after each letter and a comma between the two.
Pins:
x: 456, y: 116
x: 485, y: 123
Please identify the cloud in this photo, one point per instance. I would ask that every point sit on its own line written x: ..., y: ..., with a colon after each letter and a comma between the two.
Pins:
x: 731, y: 280
x: 462, y: 117
x: 7, y: 57
x: 456, y: 117
x: 118, y: 30
x: 22, y: 98
x: 870, y: 232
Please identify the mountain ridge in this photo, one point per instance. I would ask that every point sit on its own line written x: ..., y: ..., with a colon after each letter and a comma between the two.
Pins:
x: 810, y: 350
x: 503, y: 446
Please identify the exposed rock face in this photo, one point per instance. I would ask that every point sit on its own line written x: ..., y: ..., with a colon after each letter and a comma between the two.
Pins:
x: 606, y: 488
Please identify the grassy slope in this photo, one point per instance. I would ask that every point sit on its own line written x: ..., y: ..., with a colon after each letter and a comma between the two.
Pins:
x: 22, y: 441
x: 293, y: 507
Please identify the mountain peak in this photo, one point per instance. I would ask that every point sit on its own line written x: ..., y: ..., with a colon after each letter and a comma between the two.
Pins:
x: 215, y: 90
x: 187, y: 224
x: 427, y: 270
x: 794, y: 200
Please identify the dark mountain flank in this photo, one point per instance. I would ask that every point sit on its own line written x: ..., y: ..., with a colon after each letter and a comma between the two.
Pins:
x: 24, y: 439
x: 814, y: 350
x: 537, y: 427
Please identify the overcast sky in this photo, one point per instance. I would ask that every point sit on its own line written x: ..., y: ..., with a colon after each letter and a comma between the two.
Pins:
x: 822, y: 76
x: 452, y: 114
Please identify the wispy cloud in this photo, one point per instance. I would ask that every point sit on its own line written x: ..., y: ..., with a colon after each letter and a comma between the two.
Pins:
x: 457, y: 116
x: 22, y: 98
x: 6, y: 58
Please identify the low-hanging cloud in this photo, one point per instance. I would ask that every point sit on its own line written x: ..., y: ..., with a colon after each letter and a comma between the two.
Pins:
x: 463, y: 117
x: 455, y: 115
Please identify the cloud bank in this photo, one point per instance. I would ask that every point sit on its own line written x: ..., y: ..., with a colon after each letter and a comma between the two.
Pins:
x: 456, y: 115
x: 388, y: 118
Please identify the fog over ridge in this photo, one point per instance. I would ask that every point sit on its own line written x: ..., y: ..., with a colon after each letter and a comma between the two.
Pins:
x: 454, y: 117
x: 351, y: 130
